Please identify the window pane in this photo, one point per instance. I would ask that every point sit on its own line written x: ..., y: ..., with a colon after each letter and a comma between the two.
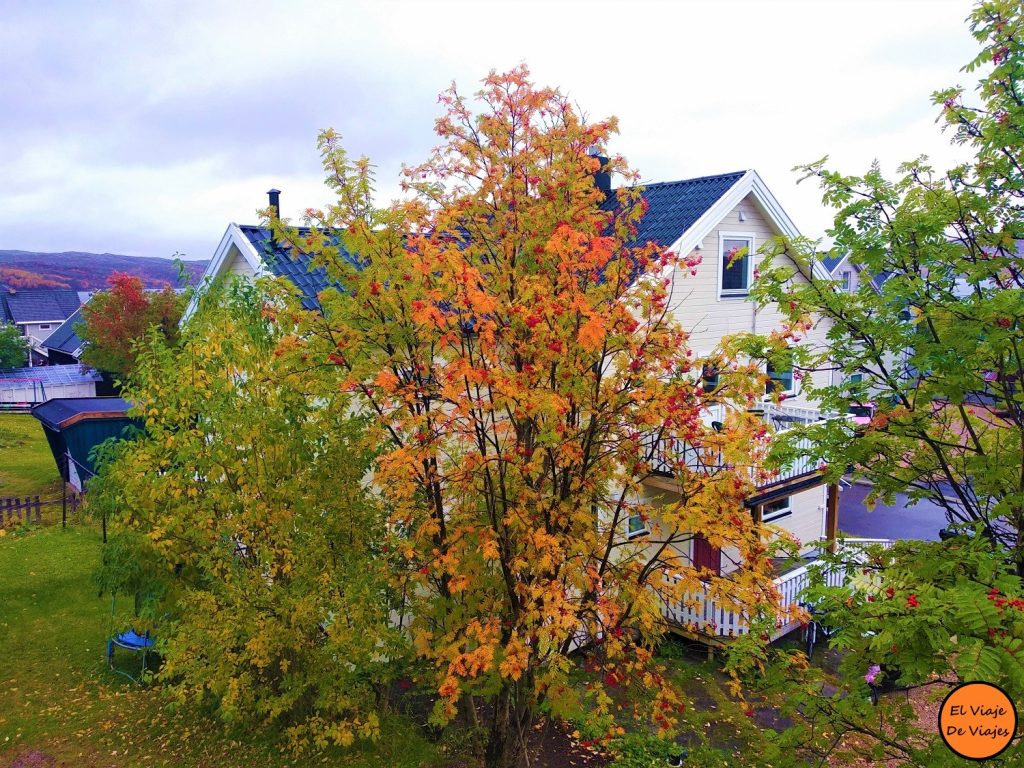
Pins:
x: 734, y: 270
x: 779, y: 380
x: 775, y: 509
x: 709, y: 378
x: 636, y: 525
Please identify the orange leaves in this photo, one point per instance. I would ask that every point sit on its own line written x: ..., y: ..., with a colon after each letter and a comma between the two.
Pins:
x: 386, y: 380
x: 518, y: 372
x: 591, y: 334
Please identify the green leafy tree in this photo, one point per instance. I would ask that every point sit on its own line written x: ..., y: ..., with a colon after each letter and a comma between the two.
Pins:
x: 117, y: 319
x: 13, y: 349
x: 920, y: 617
x: 931, y: 344
x: 248, y: 484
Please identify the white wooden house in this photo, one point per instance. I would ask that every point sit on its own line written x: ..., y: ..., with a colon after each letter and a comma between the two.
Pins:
x: 712, y: 216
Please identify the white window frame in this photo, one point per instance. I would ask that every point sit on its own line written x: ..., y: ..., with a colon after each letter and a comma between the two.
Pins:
x: 846, y: 280
x: 44, y: 326
x: 791, y: 392
x: 642, y: 531
x: 722, y: 237
x: 779, y: 513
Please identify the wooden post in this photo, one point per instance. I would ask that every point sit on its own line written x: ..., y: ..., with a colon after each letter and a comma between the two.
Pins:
x: 10, y: 510
x: 832, y: 516
x: 758, y: 513
x: 17, y: 508
x: 39, y: 511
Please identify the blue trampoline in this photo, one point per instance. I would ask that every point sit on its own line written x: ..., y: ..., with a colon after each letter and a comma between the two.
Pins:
x: 130, y: 641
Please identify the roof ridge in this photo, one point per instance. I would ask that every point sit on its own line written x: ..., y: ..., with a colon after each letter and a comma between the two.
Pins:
x: 712, y: 177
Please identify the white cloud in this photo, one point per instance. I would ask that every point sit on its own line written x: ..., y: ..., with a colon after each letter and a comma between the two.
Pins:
x: 145, y: 129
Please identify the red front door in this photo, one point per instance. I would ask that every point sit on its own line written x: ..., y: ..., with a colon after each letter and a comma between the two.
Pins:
x: 705, y: 555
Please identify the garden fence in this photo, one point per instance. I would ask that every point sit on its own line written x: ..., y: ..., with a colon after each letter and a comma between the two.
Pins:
x: 16, y: 510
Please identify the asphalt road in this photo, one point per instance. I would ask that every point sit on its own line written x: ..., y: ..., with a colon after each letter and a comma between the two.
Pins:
x: 899, y: 521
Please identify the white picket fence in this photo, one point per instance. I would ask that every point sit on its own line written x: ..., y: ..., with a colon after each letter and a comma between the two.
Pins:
x: 701, y: 615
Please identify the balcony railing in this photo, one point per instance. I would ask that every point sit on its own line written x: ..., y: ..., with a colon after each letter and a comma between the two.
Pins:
x: 781, y: 418
x: 700, y: 615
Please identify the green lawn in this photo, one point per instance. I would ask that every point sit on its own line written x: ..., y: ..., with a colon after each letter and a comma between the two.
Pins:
x: 59, y: 702
x: 27, y: 467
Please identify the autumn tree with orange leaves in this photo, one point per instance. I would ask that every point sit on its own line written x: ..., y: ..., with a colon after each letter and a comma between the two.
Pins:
x: 520, y: 358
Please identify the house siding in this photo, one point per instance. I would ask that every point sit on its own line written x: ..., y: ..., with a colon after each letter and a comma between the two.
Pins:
x: 708, y: 317
x: 807, y: 519
x: 36, y: 333
x: 237, y: 265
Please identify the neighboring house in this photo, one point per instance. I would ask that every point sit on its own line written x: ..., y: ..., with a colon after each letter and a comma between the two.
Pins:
x: 21, y: 387
x: 713, y: 216
x: 38, y: 313
x: 851, y: 276
x: 64, y: 346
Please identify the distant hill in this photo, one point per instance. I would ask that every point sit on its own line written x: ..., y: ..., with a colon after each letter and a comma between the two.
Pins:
x: 87, y: 271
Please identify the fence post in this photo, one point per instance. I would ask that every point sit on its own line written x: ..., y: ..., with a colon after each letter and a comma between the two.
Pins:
x: 39, y: 512
x: 18, y: 508
x: 10, y: 510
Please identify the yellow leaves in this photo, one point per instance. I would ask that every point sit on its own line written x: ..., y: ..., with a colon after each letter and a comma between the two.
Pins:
x: 489, y: 550
x: 516, y: 659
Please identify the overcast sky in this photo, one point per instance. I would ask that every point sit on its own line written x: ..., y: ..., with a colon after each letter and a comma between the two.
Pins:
x: 145, y: 128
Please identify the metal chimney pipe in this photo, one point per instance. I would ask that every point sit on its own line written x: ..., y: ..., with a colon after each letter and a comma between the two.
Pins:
x: 275, y: 201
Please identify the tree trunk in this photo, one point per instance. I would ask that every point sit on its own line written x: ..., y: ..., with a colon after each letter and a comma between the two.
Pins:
x: 509, y: 724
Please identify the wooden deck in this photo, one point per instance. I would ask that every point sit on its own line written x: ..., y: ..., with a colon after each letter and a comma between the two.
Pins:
x: 698, y: 618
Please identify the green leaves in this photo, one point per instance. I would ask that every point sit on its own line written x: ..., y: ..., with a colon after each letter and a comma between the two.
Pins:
x: 242, y: 512
x: 931, y: 343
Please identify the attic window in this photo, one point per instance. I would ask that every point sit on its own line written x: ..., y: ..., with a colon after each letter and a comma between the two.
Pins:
x: 736, y: 257
x: 845, y: 281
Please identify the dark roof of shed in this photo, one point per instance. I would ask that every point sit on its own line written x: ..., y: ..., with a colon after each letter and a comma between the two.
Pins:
x: 674, y: 206
x: 64, y: 338
x: 40, y: 306
x: 61, y: 412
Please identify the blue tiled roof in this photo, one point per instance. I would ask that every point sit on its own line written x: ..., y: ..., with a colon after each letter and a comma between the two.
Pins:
x: 39, y: 306
x: 64, y: 338
x: 831, y: 262
x: 284, y: 262
x: 675, y: 206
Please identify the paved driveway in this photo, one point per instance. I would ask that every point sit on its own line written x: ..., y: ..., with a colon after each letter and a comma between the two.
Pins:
x: 899, y: 521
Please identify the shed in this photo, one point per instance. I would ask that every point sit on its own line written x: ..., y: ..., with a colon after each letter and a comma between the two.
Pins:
x: 75, y: 426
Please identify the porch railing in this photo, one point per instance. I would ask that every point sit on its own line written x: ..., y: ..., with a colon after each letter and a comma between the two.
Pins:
x: 700, y: 615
